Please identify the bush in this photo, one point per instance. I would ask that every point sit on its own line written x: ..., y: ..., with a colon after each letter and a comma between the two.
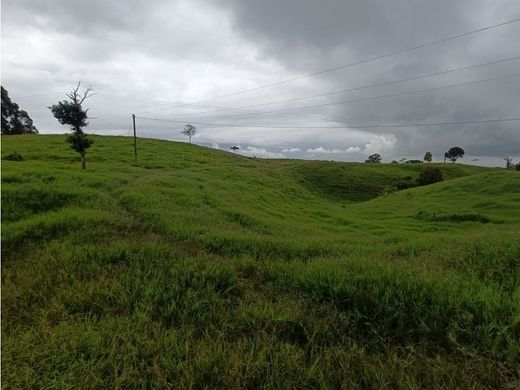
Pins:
x: 13, y: 157
x: 429, y: 175
x: 403, y: 185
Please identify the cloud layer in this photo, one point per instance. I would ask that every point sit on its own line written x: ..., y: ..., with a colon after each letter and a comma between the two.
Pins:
x: 154, y: 58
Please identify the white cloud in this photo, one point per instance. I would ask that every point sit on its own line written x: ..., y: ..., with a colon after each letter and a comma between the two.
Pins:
x: 254, y: 151
x: 291, y: 150
x: 380, y: 144
x: 322, y: 150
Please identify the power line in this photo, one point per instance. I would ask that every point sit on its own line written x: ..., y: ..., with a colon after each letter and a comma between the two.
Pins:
x: 387, y: 95
x: 177, y: 105
x: 363, y: 61
x: 384, y: 83
x: 338, y: 127
x: 279, y: 111
x: 423, y: 76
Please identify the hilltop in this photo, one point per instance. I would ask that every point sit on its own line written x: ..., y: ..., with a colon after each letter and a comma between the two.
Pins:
x: 203, y: 268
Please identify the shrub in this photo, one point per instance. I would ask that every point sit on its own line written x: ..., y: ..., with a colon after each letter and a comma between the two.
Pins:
x: 403, y: 185
x: 14, y: 157
x: 429, y: 175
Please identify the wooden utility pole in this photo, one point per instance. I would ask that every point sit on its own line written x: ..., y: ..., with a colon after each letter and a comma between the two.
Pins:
x: 135, y: 140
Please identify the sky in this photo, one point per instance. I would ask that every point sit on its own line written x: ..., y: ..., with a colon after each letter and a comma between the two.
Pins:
x: 212, y: 63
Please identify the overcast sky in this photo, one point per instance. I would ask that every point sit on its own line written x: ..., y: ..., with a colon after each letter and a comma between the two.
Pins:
x: 169, y: 60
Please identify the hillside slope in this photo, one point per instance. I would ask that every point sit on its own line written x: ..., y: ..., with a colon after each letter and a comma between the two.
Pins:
x: 200, y: 267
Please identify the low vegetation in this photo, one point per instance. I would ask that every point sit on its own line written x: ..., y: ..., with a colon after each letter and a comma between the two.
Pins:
x: 200, y: 268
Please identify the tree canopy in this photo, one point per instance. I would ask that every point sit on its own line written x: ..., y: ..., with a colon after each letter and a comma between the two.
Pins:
x: 374, y: 158
x: 70, y: 112
x: 14, y: 120
x: 454, y: 153
x: 189, y: 130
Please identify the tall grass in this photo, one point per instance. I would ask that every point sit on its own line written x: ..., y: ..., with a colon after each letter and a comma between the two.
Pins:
x: 202, y: 269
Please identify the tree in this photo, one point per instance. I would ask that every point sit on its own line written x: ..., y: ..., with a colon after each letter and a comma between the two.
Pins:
x: 234, y: 148
x: 429, y: 175
x: 374, y: 158
x: 70, y: 112
x: 454, y: 153
x: 428, y: 157
x: 14, y: 120
x: 189, y: 130
x: 509, y: 162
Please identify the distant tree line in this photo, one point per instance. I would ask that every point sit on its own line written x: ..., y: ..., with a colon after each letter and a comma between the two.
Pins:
x: 14, y: 120
x: 452, y: 154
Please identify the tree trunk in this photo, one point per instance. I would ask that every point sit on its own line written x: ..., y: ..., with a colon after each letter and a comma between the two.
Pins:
x: 189, y: 138
x: 83, y: 161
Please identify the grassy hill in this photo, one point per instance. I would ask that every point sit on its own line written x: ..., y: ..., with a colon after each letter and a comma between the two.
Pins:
x: 199, y: 268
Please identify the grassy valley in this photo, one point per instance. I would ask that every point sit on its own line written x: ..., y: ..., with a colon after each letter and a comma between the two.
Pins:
x: 204, y: 269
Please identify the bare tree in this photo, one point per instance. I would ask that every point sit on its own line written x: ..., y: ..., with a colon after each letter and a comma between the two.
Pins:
x: 509, y: 162
x: 189, y: 130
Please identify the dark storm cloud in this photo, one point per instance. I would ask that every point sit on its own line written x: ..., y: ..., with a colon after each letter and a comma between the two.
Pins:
x: 311, y: 35
x: 186, y: 51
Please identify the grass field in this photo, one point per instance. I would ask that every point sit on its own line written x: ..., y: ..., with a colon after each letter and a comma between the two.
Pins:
x: 203, y: 269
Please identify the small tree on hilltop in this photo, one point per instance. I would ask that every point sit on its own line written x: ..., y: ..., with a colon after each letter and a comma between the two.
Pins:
x: 189, y: 130
x: 428, y: 157
x: 454, y: 153
x: 234, y: 148
x: 70, y: 112
x: 509, y: 162
x: 374, y: 159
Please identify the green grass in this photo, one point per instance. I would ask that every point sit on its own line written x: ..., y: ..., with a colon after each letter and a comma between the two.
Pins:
x: 202, y: 269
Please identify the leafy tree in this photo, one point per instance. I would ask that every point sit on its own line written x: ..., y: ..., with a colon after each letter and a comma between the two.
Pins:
x: 454, y: 153
x: 429, y: 175
x: 428, y: 157
x: 374, y: 159
x: 189, y: 130
x: 14, y: 120
x: 234, y: 148
x: 70, y: 112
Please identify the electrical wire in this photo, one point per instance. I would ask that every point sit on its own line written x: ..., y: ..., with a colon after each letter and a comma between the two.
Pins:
x: 338, y: 127
x: 363, y: 61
